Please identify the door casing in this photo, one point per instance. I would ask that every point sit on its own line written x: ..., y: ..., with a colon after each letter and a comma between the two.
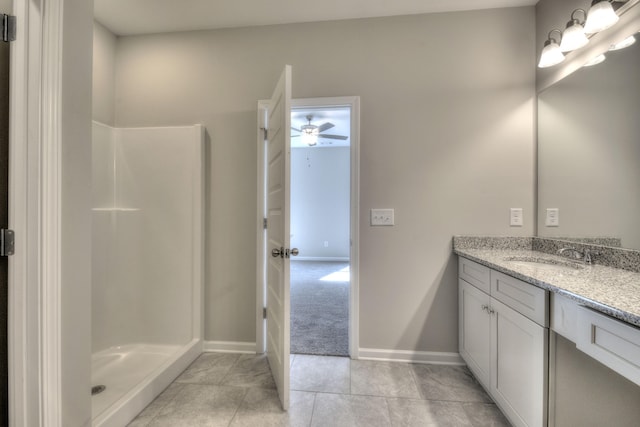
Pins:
x: 261, y: 253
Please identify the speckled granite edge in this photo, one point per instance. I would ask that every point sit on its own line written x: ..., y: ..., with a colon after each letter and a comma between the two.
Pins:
x: 626, y: 259
x: 615, y: 242
x: 492, y: 242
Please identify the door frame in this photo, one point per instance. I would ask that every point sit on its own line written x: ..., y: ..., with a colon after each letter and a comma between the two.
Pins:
x: 354, y: 261
x: 35, y: 196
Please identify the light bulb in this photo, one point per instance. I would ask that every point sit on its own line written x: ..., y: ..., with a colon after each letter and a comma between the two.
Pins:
x: 624, y: 43
x: 600, y: 17
x: 551, y: 54
x: 573, y: 37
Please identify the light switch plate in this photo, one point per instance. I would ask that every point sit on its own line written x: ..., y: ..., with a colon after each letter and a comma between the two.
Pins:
x: 382, y: 217
x: 516, y: 217
x: 553, y: 217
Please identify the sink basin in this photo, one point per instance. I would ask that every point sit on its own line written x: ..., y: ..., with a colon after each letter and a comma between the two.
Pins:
x: 548, y: 264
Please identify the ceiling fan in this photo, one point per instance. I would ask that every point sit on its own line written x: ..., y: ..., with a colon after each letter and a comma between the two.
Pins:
x: 310, y: 133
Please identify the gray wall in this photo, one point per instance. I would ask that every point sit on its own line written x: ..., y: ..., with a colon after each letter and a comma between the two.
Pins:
x: 75, y: 120
x: 320, y: 197
x: 447, y: 140
x: 104, y: 62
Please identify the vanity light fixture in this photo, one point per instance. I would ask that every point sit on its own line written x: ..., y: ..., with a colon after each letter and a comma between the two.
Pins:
x: 551, y: 54
x: 595, y: 61
x: 624, y: 43
x: 600, y: 17
x: 573, y: 36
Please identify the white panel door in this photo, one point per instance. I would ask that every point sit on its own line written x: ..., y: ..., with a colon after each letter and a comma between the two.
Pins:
x: 278, y: 208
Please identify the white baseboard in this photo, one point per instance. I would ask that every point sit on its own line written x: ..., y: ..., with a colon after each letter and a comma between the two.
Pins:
x: 431, y: 357
x: 321, y: 258
x: 229, y: 347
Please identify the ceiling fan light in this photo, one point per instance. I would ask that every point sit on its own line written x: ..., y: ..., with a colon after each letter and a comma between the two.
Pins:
x: 551, y: 54
x: 600, y: 17
x: 309, y: 138
x: 624, y: 43
x: 573, y: 37
x: 595, y: 61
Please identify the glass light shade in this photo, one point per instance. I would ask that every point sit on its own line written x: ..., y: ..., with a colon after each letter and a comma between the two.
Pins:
x: 624, y: 43
x: 551, y: 54
x: 573, y: 37
x: 309, y: 138
x: 600, y: 17
x: 595, y: 61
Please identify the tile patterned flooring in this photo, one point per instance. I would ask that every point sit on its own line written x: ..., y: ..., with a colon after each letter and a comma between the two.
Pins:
x: 238, y: 390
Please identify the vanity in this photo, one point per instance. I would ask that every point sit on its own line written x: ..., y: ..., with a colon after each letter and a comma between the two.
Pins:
x: 517, y: 294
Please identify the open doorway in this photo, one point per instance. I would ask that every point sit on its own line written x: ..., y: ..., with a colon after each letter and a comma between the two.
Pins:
x: 320, y: 228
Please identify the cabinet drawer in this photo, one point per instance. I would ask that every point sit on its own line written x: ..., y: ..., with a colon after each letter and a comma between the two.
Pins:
x: 564, y: 317
x: 613, y: 343
x: 526, y: 299
x: 474, y: 273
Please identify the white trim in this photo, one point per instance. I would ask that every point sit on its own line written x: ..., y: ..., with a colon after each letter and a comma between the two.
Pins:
x: 50, y: 213
x: 23, y: 311
x: 229, y: 347
x: 354, y: 260
x: 430, y: 357
x: 321, y: 258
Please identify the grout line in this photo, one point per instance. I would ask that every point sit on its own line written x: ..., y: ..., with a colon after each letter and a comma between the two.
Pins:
x: 246, y: 392
x: 313, y: 408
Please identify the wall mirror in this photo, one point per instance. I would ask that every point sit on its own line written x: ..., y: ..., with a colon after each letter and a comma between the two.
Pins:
x: 589, y: 152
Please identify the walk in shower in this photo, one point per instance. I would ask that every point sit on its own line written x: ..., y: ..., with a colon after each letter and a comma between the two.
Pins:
x: 147, y: 264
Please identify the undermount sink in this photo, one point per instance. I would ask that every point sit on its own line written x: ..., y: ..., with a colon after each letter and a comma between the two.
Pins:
x: 548, y: 264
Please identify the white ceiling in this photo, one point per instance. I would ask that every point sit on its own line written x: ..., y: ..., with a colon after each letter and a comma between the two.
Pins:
x: 128, y: 17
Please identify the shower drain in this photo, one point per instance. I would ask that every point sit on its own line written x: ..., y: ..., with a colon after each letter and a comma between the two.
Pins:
x: 97, y: 389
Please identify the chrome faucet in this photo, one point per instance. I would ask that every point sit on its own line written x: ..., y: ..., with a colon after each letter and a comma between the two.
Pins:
x: 586, y: 256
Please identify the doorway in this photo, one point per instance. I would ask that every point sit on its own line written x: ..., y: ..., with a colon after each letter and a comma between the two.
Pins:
x: 338, y: 254
x: 320, y: 229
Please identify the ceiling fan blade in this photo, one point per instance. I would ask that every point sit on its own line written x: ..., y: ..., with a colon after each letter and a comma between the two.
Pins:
x: 325, y: 126
x: 297, y: 130
x: 294, y: 136
x: 324, y: 135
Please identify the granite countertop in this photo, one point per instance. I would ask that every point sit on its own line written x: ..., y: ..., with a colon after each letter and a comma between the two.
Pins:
x: 612, y: 291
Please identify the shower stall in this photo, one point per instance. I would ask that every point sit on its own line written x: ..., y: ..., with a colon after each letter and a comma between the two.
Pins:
x: 147, y: 264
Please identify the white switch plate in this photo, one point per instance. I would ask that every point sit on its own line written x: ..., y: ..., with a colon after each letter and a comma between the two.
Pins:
x: 553, y: 217
x: 382, y: 217
x: 516, y: 217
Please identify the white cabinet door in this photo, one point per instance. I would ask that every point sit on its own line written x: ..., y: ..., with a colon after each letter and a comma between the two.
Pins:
x: 475, y: 330
x: 519, y: 366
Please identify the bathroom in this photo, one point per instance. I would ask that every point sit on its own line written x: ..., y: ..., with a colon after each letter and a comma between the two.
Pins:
x: 448, y: 139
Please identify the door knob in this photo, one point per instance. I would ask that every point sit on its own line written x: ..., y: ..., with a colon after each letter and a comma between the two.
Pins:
x: 294, y: 252
x: 275, y: 252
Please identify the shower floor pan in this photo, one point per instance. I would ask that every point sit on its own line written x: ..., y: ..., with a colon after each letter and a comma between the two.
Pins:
x: 123, y: 370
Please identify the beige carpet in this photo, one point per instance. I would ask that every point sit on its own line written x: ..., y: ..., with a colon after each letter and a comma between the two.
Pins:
x: 320, y: 308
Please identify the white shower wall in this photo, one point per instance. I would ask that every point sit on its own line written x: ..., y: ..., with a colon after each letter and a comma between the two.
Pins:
x: 147, y: 244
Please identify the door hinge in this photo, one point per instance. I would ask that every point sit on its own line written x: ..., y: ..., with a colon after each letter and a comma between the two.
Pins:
x: 8, y: 28
x: 265, y: 222
x: 264, y: 312
x: 264, y: 135
x: 7, y: 242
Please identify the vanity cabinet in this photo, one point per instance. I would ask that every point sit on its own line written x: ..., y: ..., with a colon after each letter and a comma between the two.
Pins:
x: 503, y: 337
